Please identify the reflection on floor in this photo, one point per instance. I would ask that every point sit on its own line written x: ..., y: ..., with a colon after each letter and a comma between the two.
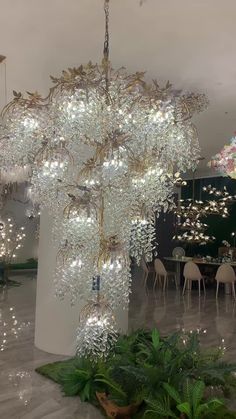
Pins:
x: 26, y: 395
x: 171, y: 311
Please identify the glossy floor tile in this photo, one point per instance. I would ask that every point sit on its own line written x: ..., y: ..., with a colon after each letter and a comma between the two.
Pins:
x: 26, y: 395
x: 216, y: 319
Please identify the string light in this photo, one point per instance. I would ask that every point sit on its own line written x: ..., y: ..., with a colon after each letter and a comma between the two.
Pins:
x: 11, y: 240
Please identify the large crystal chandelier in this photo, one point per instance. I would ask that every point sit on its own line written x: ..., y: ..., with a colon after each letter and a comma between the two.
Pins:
x: 105, y: 149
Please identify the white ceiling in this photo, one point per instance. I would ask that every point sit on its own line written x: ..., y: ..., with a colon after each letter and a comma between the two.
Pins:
x: 189, y: 42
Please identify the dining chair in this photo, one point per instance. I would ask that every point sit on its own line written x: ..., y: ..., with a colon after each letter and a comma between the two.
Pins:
x: 192, y: 273
x: 162, y: 273
x: 146, y: 271
x: 226, y: 275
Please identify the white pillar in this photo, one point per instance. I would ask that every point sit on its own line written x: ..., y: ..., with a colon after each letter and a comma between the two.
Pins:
x: 56, y: 321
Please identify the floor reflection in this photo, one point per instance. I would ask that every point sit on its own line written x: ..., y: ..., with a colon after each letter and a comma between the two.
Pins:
x: 26, y: 395
x: 10, y: 325
x: 22, y: 384
x: 213, y: 319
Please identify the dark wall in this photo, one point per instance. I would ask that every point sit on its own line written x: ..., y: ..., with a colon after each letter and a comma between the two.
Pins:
x: 165, y: 228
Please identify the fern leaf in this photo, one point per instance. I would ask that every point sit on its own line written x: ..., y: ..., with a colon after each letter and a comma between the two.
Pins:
x: 185, y: 408
x: 187, y: 391
x: 173, y: 393
x: 155, y: 338
x: 160, y: 407
x: 197, y: 394
x: 208, y: 407
x: 85, y: 392
x: 110, y: 384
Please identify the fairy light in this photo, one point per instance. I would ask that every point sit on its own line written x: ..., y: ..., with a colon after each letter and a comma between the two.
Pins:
x: 11, y: 240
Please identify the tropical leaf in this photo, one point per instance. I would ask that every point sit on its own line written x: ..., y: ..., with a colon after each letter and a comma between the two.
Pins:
x: 111, y: 384
x: 160, y: 407
x: 55, y: 369
x: 155, y: 338
x: 137, y: 373
x: 167, y: 356
x: 71, y: 386
x: 146, y: 366
x: 210, y: 406
x: 221, y: 413
x: 185, y: 408
x: 197, y: 394
x: 187, y: 391
x: 173, y: 393
x: 85, y: 393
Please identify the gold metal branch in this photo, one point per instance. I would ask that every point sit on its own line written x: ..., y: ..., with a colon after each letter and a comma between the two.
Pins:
x: 2, y: 58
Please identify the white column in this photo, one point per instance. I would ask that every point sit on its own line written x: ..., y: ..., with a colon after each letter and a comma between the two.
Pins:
x: 56, y: 321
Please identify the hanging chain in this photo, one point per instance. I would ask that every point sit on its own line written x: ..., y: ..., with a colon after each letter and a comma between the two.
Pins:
x: 106, y: 49
x: 106, y: 41
x: 193, y: 183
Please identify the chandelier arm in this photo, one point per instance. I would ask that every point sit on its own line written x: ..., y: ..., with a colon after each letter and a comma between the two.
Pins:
x: 193, y: 181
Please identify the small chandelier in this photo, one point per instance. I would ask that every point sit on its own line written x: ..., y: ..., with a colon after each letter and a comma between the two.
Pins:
x: 194, y: 236
x: 221, y: 202
x: 189, y: 227
x: 190, y: 212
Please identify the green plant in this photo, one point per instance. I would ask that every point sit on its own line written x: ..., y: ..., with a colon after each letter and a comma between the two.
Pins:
x: 55, y: 369
x: 221, y: 413
x: 76, y: 377
x: 159, y: 408
x: 191, y: 402
x: 149, y: 370
x: 104, y: 377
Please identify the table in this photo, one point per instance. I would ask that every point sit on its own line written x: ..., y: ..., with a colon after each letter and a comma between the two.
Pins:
x: 185, y: 259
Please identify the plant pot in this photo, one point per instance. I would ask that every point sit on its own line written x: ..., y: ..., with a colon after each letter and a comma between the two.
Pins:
x: 114, y: 411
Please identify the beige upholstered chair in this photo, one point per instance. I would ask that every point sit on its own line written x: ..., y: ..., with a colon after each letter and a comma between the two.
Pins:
x: 192, y: 273
x: 226, y: 275
x: 162, y: 274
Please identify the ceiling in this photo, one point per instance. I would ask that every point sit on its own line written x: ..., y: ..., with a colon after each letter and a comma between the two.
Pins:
x: 189, y: 42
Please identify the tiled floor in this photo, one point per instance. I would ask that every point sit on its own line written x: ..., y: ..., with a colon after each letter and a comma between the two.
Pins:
x: 171, y: 311
x: 26, y: 395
